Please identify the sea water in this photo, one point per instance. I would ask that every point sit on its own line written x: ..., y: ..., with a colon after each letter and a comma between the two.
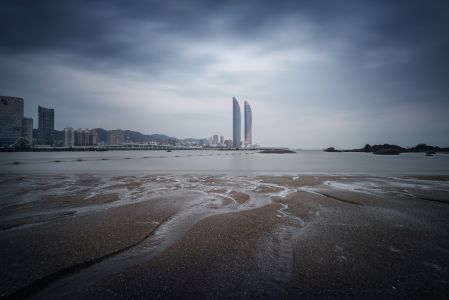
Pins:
x: 215, y: 161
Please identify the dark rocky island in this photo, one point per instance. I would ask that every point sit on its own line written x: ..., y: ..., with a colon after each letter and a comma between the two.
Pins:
x: 390, y: 149
x: 331, y: 149
x: 277, y: 151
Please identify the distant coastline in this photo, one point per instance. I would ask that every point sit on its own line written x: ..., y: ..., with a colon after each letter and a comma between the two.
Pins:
x: 391, y: 149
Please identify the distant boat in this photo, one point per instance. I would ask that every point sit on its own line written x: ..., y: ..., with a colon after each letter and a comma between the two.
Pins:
x: 430, y: 153
x: 169, y: 150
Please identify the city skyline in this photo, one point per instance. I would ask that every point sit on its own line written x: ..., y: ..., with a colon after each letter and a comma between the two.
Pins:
x: 15, y: 126
x: 89, y: 137
x: 324, y: 74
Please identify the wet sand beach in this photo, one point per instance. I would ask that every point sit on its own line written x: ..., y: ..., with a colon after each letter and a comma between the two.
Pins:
x: 224, y: 236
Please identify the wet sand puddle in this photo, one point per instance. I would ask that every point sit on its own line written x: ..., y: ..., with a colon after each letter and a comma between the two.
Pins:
x: 276, y: 252
x: 202, y: 196
x: 275, y: 255
x: 394, y: 186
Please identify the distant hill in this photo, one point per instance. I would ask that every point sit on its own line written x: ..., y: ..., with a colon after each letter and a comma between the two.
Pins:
x: 137, y: 137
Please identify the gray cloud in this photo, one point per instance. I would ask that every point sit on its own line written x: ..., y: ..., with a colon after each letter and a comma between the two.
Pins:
x: 326, y: 57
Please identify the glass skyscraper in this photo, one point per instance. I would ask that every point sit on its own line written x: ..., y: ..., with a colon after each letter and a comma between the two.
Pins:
x: 248, y: 125
x: 46, y: 126
x: 11, y: 118
x: 236, y: 123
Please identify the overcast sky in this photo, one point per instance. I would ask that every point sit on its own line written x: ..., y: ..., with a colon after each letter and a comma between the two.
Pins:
x: 316, y: 73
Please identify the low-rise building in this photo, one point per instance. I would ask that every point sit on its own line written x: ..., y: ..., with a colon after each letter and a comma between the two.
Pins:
x: 228, y: 143
x: 27, y: 129
x: 69, y: 137
x: 116, y: 137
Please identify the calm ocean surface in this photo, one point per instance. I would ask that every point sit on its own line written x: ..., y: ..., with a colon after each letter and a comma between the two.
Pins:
x: 202, y: 161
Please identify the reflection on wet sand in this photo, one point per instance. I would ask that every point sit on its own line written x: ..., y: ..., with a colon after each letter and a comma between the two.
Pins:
x: 267, y: 236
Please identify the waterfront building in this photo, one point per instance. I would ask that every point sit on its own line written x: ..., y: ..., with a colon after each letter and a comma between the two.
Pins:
x: 215, y: 140
x: 27, y: 129
x: 93, y: 137
x: 82, y: 137
x: 248, y: 125
x: 116, y: 137
x: 11, y: 118
x: 35, y: 131
x: 228, y: 143
x: 46, y: 126
x: 236, y: 123
x: 69, y: 137
x: 221, y: 140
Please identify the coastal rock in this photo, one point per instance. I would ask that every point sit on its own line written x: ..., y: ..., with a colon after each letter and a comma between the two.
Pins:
x: 277, y: 151
x: 367, y: 148
x: 390, y: 151
x: 331, y: 149
x: 430, y: 153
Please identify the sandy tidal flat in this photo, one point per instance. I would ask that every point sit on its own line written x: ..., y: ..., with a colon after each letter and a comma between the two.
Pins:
x: 223, y: 236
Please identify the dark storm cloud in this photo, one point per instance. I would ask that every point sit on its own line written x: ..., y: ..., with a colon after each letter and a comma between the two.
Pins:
x: 375, y: 53
x: 409, y: 39
x: 96, y: 31
x: 103, y: 30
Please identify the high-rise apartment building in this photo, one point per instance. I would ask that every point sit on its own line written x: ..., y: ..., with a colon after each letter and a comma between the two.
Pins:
x: 116, y: 137
x: 236, y: 123
x: 69, y: 137
x: 27, y: 129
x: 80, y: 137
x: 93, y: 137
x: 46, y: 126
x: 248, y: 125
x: 215, y: 139
x: 11, y: 118
x: 228, y: 143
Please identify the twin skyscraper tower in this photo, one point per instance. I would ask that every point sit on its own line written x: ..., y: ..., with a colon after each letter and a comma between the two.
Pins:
x: 237, y: 124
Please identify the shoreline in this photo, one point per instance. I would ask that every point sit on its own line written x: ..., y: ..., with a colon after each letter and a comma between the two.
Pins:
x: 107, y: 148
